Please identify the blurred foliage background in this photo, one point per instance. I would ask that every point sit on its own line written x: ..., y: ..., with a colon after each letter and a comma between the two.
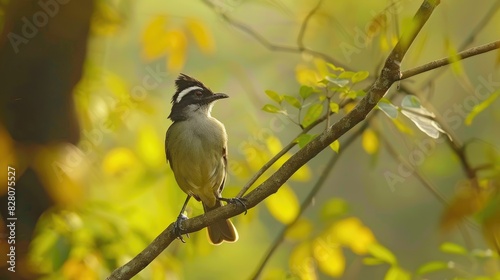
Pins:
x: 372, y: 218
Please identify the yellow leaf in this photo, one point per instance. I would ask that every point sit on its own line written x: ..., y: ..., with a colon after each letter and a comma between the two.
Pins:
x: 335, y: 146
x: 402, y: 127
x: 351, y: 233
x: 78, y: 269
x: 303, y: 174
x: 322, y: 67
x: 300, y: 230
x: 150, y: 147
x: 106, y: 20
x: 274, y: 144
x: 481, y: 107
x: 466, y: 202
x: 117, y: 86
x: 118, y: 160
x: 255, y: 156
x: 58, y: 168
x: 455, y: 60
x: 176, y: 47
x: 306, y: 76
x: 397, y: 273
x: 380, y: 252
x: 349, y: 106
x: 283, y: 205
x: 331, y: 260
x: 154, y: 41
x: 377, y: 25
x: 333, y: 208
x: 300, y: 262
x: 363, y: 240
x: 202, y: 35
x: 384, y: 45
x: 370, y: 141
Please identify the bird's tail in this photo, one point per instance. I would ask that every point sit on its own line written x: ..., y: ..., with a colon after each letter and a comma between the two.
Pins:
x: 220, y: 231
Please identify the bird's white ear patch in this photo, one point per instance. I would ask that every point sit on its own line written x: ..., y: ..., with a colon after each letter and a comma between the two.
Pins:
x: 186, y: 91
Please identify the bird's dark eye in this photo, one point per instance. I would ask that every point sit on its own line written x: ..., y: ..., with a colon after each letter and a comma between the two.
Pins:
x: 198, y: 93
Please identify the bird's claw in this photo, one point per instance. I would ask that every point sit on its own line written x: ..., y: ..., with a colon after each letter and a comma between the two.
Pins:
x: 236, y: 200
x: 178, y: 228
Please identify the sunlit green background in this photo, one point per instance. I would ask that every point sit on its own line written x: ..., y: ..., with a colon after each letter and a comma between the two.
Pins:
x: 115, y: 192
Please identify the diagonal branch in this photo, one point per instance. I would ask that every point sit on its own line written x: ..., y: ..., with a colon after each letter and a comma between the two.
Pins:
x: 389, y: 74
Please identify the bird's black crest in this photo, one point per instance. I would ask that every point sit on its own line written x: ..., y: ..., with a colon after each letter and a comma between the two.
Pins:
x: 183, y: 82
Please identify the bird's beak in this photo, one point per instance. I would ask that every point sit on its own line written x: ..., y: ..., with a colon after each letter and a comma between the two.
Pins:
x: 216, y: 96
x: 220, y: 96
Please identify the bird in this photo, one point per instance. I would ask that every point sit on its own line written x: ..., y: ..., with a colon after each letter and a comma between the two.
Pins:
x: 196, y: 149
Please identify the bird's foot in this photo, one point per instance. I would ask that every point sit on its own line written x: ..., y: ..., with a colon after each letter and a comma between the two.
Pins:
x: 178, y: 228
x: 236, y: 200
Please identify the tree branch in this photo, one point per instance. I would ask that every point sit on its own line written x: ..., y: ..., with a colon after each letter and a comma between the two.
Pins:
x: 471, y: 38
x: 448, y: 60
x: 389, y: 74
x: 303, y: 27
x: 273, y: 47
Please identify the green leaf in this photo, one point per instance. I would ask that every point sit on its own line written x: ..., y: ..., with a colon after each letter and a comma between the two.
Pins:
x: 397, y: 273
x: 305, y: 91
x: 335, y: 68
x: 380, y: 252
x: 452, y: 248
x: 411, y: 101
x: 271, y: 108
x: 340, y: 82
x: 360, y: 76
x: 360, y: 93
x: 334, y: 107
x: 61, y: 251
x: 388, y: 108
x: 292, y: 101
x: 352, y: 94
x: 481, y: 107
x: 346, y: 75
x: 304, y: 139
x: 274, y: 96
x: 372, y: 261
x: 432, y: 267
x: 335, y: 146
x: 420, y: 116
x: 312, y: 114
x: 333, y: 208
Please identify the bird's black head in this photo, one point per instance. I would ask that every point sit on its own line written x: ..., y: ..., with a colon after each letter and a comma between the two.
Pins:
x: 191, y: 95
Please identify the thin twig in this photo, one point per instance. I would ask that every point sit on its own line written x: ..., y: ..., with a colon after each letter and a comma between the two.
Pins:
x: 266, y: 43
x: 305, y: 23
x: 448, y: 60
x: 470, y: 39
x: 429, y: 186
x: 307, y: 201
